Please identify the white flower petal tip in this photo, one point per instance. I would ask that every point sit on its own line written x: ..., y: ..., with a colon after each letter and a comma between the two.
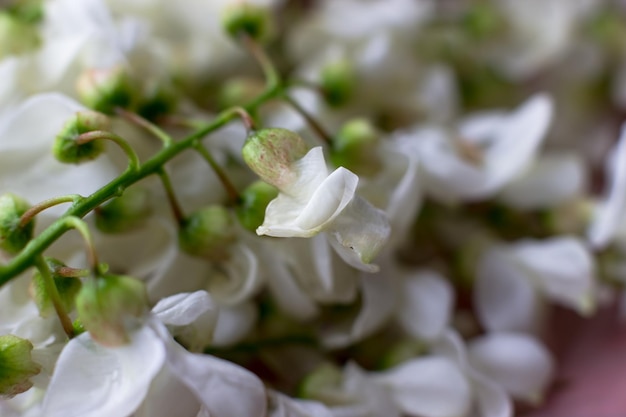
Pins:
x: 609, y: 213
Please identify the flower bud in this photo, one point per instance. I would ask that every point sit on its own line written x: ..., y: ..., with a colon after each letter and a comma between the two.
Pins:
x: 253, y: 20
x: 67, y: 150
x: 125, y: 212
x: 158, y: 100
x: 16, y: 366
x: 207, y: 233
x: 239, y: 91
x: 254, y: 200
x: 355, y: 147
x: 67, y: 287
x: 320, y: 384
x: 108, y: 305
x: 338, y: 82
x: 14, y: 237
x: 105, y: 89
x: 271, y: 152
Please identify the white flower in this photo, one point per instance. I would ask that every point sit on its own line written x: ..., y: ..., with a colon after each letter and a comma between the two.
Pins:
x: 512, y: 280
x: 318, y: 201
x: 91, y: 380
x: 517, y: 362
x: 490, y: 151
x: 609, y: 215
x: 426, y: 301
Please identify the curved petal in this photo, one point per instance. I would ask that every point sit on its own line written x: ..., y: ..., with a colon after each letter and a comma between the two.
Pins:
x: 225, y: 389
x: 93, y: 381
x: 184, y: 308
x: 552, y: 180
x: 429, y: 386
x: 517, y: 362
x: 234, y: 323
x: 425, y: 305
x: 504, y: 295
x: 563, y: 268
x: 281, y: 405
x: 237, y: 279
x: 611, y: 212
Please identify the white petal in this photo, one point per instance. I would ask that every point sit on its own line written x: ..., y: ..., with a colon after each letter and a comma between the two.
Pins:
x: 430, y: 387
x: 359, y: 233
x: 184, y: 308
x: 287, y: 216
x: 611, y: 212
x: 225, y: 389
x: 517, y: 141
x: 167, y: 397
x: 517, y: 362
x: 426, y: 304
x: 564, y: 268
x: 234, y: 323
x: 552, y: 180
x: 504, y: 296
x: 237, y: 279
x: 378, y: 302
x: 92, y: 381
x: 284, y: 406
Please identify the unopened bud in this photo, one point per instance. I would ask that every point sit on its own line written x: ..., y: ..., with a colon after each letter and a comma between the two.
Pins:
x: 14, y: 237
x: 271, y: 152
x: 158, y: 100
x: 207, y: 233
x: 239, y: 91
x: 338, y: 82
x: 67, y: 287
x: 66, y: 149
x: 105, y: 89
x: 253, y: 20
x: 125, y: 212
x: 323, y: 384
x: 254, y: 201
x: 16, y: 366
x: 355, y: 147
x: 109, y: 305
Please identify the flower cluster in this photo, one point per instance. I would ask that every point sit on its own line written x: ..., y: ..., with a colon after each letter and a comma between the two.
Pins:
x: 303, y: 208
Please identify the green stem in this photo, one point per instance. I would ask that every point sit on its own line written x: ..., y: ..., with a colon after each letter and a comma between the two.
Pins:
x: 230, y: 188
x: 46, y: 204
x: 82, y: 228
x: 259, y: 54
x: 171, y: 196
x: 52, y: 292
x: 147, y: 125
x: 133, y: 159
x: 25, y: 258
x: 311, y: 121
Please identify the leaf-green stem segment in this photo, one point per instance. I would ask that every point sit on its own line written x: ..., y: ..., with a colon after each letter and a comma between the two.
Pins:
x: 53, y: 293
x: 35, y: 247
x: 145, y: 124
x: 179, y: 215
x: 133, y: 159
x: 46, y: 204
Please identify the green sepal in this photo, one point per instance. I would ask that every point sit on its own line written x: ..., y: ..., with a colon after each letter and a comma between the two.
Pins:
x: 14, y: 237
x: 16, y: 365
x: 67, y: 287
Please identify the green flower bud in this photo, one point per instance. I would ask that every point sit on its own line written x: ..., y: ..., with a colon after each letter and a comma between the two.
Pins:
x: 16, y: 366
x: 67, y: 287
x: 250, y: 19
x: 355, y: 147
x: 27, y: 11
x: 338, y: 80
x: 14, y: 237
x: 271, y: 152
x: 159, y: 100
x: 108, y: 305
x: 401, y: 352
x: 483, y: 21
x: 67, y: 150
x: 254, y: 201
x: 322, y: 384
x: 16, y: 37
x: 125, y: 212
x: 207, y: 233
x: 239, y: 91
x: 105, y: 89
